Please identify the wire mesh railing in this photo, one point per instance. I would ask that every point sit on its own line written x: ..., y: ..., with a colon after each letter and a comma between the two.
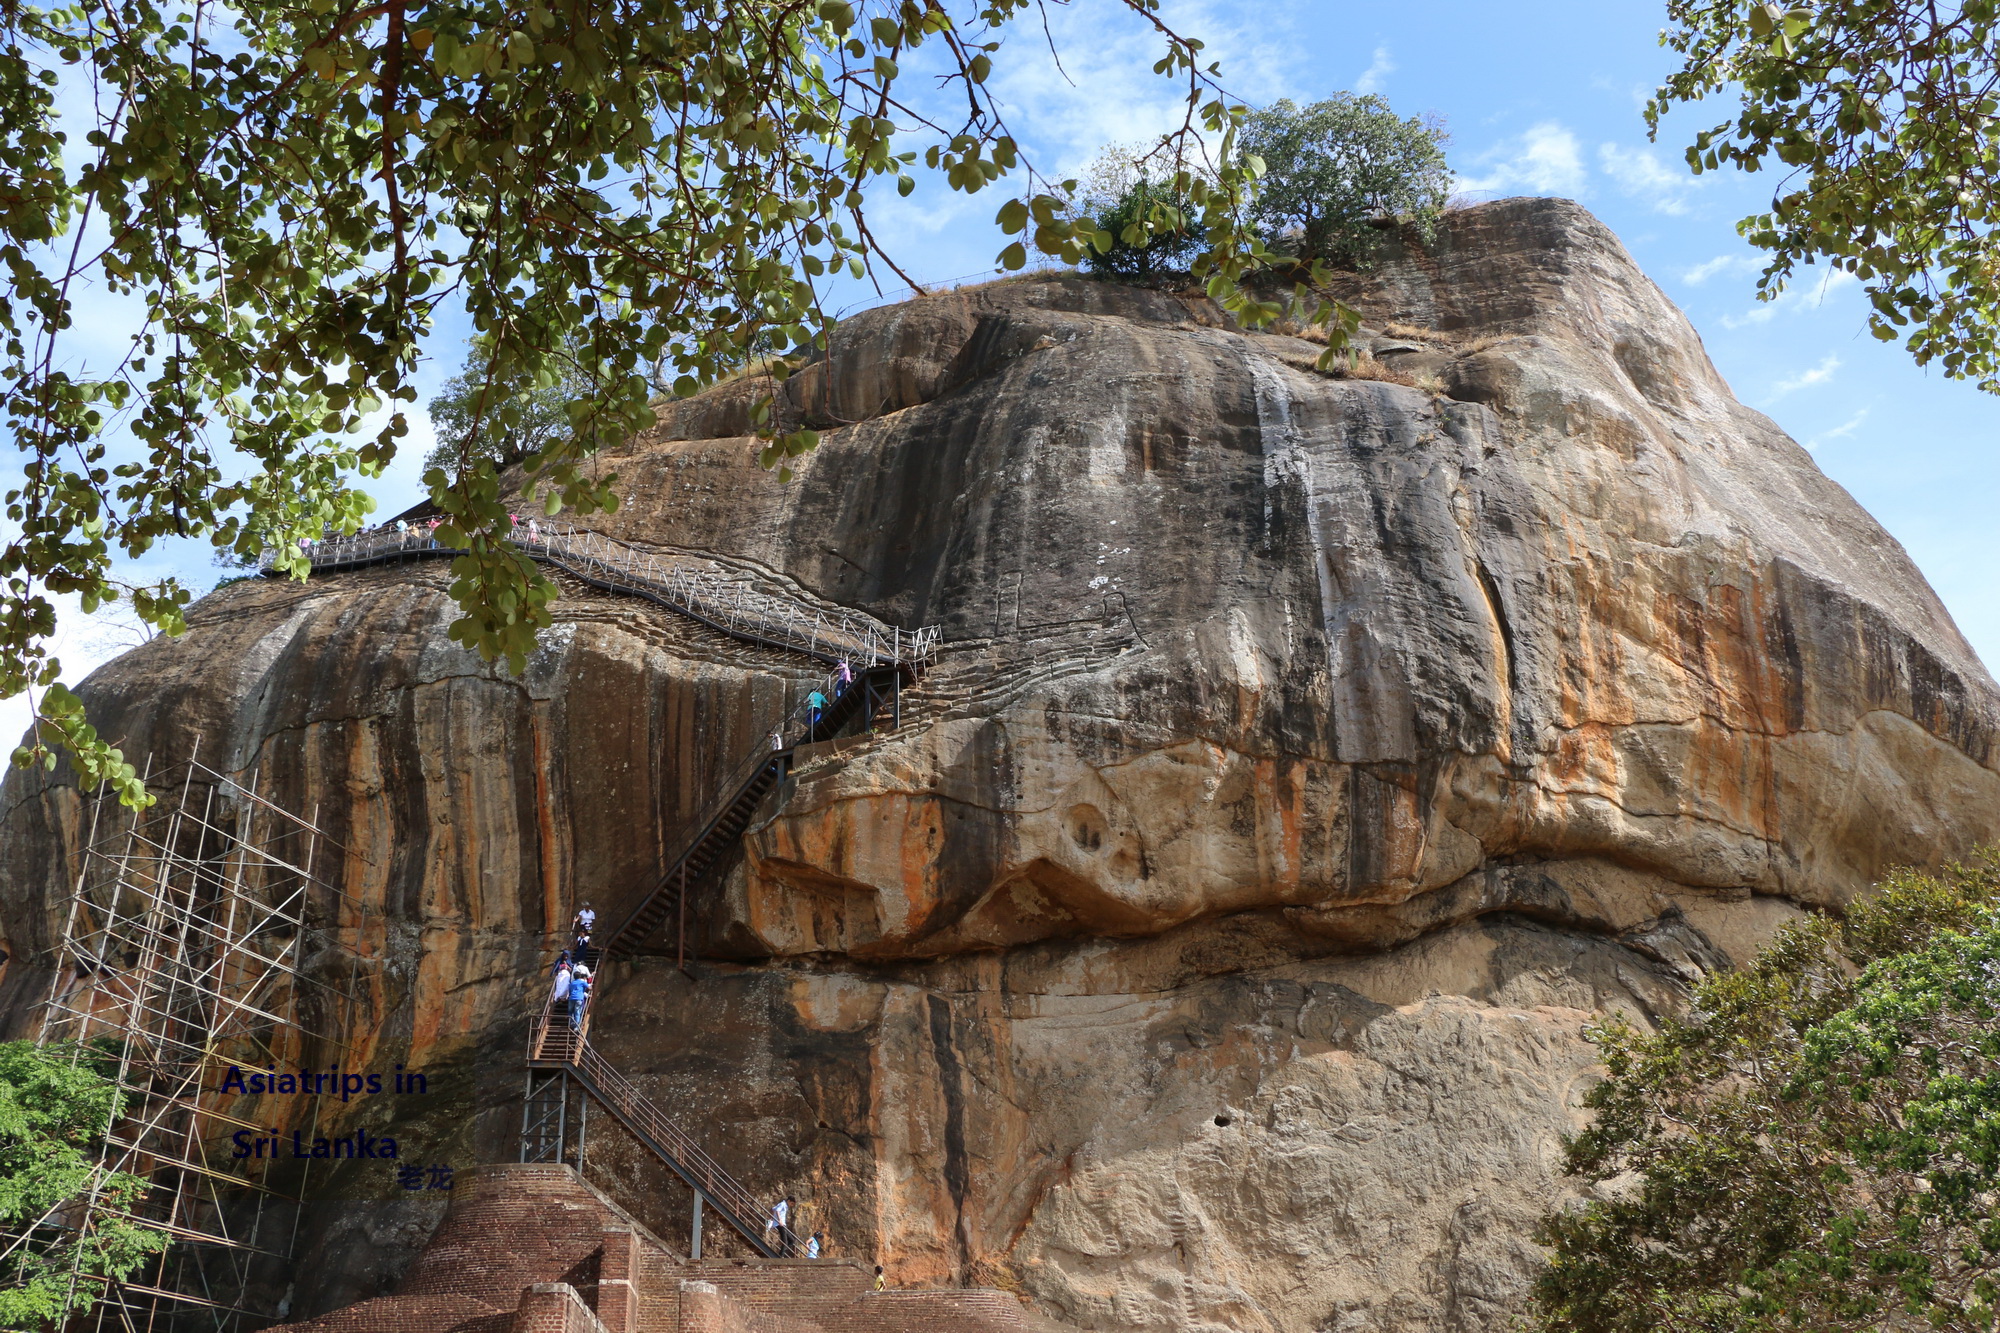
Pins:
x: 696, y: 588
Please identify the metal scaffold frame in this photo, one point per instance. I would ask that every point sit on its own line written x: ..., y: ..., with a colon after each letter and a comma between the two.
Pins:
x: 184, y: 951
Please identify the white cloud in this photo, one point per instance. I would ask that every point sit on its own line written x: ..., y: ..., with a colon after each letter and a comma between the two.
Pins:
x: 83, y: 644
x: 1547, y: 159
x: 1639, y: 173
x: 1840, y: 432
x: 1721, y: 264
x: 1819, y: 374
x: 1376, y: 76
x: 1807, y: 295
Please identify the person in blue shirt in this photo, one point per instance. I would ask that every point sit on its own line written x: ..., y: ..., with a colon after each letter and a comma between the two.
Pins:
x: 816, y: 703
x: 579, y: 996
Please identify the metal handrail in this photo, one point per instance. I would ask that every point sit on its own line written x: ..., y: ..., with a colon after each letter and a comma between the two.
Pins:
x: 623, y: 1097
x: 718, y: 1184
x: 795, y: 728
x: 730, y: 605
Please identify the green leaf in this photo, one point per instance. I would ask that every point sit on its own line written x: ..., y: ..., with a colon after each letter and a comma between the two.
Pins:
x: 624, y: 212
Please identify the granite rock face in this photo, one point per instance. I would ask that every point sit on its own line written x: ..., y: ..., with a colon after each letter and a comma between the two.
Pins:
x: 1309, y: 759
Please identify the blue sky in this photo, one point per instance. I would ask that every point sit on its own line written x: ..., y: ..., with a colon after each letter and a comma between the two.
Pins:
x: 1546, y: 99
x: 1539, y: 99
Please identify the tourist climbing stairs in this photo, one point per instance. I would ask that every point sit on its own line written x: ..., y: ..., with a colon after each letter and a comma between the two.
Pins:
x: 716, y: 832
x: 871, y: 663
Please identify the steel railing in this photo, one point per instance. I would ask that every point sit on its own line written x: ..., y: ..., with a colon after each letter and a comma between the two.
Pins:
x: 681, y: 583
x: 571, y: 1047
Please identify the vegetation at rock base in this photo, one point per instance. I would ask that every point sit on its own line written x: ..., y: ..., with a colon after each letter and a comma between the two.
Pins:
x: 292, y: 193
x: 1335, y: 171
x: 1815, y: 1145
x: 54, y: 1107
x: 1881, y: 117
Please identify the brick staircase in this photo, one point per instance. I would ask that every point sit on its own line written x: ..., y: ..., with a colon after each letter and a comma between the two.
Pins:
x: 536, y: 1249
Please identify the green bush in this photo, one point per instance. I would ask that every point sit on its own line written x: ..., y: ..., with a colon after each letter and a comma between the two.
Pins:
x: 1152, y: 233
x: 54, y: 1110
x: 1337, y: 170
x: 1815, y: 1145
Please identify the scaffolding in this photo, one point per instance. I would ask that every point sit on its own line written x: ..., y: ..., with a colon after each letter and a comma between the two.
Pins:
x: 186, y: 949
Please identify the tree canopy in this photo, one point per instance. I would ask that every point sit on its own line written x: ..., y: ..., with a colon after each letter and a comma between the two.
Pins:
x: 476, y: 416
x: 1882, y: 118
x: 1127, y: 193
x: 290, y: 194
x: 1335, y: 170
x: 54, y: 1108
x: 1815, y: 1145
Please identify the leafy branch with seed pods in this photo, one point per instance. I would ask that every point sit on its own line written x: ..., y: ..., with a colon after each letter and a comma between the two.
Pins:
x: 291, y: 194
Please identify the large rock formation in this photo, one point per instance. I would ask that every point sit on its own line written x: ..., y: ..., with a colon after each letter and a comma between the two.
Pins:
x: 1309, y: 760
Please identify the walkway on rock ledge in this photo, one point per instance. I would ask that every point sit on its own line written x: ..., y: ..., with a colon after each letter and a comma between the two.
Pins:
x: 687, y: 585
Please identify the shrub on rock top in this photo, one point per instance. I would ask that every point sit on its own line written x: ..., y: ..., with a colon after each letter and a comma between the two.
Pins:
x: 1336, y: 171
x: 1129, y: 194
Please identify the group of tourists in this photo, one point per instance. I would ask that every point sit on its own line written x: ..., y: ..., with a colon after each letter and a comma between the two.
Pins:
x: 573, y: 980
x: 573, y: 986
x: 817, y: 703
x: 425, y: 530
x: 780, y: 1226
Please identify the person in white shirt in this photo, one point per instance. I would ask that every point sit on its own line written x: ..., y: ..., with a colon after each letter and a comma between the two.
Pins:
x: 781, y: 1222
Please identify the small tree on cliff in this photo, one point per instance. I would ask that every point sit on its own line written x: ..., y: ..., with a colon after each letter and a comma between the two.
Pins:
x: 1336, y: 171
x: 1816, y: 1145
x: 1145, y: 226
x: 481, y: 415
x: 54, y: 1110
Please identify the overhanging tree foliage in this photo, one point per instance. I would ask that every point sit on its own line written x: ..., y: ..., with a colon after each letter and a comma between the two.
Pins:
x: 290, y: 192
x: 477, y: 417
x: 1883, y: 118
x: 1815, y: 1146
x: 54, y: 1108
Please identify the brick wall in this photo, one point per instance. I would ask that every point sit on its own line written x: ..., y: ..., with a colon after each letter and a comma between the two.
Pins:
x: 705, y: 1309
x: 793, y: 1284
x: 535, y: 1249
x: 554, y: 1307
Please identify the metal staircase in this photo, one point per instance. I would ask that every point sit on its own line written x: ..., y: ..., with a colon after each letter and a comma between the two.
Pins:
x: 717, y: 830
x: 872, y: 661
